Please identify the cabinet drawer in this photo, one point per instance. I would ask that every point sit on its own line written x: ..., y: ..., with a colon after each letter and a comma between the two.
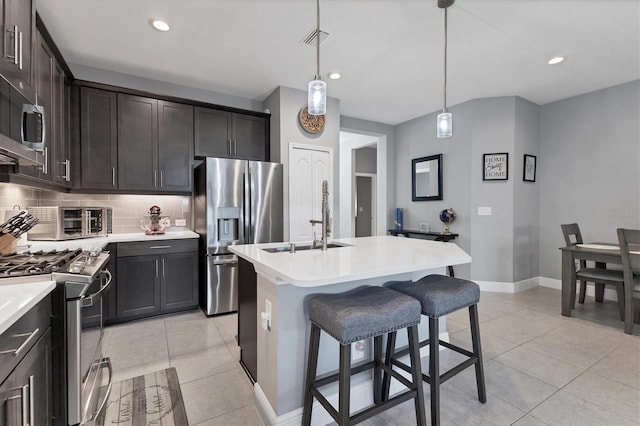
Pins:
x: 21, y: 336
x: 141, y: 248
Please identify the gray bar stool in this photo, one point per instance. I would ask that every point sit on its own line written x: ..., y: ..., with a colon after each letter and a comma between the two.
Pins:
x: 356, y: 315
x: 440, y: 295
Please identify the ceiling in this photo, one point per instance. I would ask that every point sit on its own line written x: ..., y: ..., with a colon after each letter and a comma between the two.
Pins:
x: 389, y: 52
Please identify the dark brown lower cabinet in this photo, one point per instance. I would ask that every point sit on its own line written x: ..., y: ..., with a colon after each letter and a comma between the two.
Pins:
x: 25, y: 396
x: 156, y: 278
x: 248, y: 318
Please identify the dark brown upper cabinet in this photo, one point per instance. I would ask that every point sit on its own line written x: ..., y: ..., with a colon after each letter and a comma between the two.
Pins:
x: 98, y: 139
x: 154, y: 145
x: 231, y: 135
x: 18, y: 41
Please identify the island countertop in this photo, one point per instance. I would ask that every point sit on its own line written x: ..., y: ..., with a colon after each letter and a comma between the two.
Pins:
x: 360, y: 258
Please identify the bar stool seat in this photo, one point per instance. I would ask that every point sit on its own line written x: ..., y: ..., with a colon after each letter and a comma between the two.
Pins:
x: 356, y: 315
x: 440, y: 295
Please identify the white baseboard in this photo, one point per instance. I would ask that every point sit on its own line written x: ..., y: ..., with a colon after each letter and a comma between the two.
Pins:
x: 609, y: 294
x: 505, y: 287
x: 361, y: 397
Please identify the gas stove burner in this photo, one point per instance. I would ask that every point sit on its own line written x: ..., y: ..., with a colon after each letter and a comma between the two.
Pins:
x: 36, y: 263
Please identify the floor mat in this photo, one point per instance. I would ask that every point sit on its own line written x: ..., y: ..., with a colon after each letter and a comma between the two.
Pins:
x: 152, y: 399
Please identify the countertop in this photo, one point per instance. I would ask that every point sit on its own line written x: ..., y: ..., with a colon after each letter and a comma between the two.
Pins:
x: 18, y: 296
x: 361, y: 258
x: 101, y: 242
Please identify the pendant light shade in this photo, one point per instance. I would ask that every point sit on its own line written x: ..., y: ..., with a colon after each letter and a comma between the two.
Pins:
x: 445, y: 125
x: 445, y: 119
x: 317, y: 97
x: 317, y: 92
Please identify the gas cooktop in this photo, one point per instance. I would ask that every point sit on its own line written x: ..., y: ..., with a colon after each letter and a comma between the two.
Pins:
x: 63, y: 265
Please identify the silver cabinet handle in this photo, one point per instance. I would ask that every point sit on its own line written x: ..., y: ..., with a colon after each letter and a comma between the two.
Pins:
x: 161, y: 178
x: 159, y: 247
x: 20, y: 49
x: 31, y: 400
x: 113, y: 176
x: 157, y: 268
x: 15, y: 46
x: 45, y: 164
x: 25, y: 409
x: 155, y: 177
x: 230, y: 151
x: 24, y: 344
x: 163, y: 267
x: 235, y: 148
x: 67, y: 171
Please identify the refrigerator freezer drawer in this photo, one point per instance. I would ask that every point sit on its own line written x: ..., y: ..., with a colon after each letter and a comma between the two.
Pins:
x: 221, y: 284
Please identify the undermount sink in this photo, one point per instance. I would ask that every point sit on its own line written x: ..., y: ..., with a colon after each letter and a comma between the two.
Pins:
x: 301, y: 247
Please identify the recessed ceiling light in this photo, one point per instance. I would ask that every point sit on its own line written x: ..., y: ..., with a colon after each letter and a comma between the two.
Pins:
x: 159, y: 25
x: 556, y: 60
x: 334, y: 75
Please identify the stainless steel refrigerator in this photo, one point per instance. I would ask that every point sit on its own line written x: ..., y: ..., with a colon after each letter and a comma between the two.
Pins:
x: 236, y: 202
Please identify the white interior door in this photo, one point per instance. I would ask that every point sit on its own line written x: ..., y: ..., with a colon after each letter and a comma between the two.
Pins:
x: 308, y: 168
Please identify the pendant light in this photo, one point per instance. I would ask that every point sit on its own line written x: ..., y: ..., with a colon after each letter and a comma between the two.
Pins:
x: 445, y: 119
x: 317, y: 94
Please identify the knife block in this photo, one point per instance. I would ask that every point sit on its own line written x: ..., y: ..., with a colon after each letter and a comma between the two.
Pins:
x: 8, y: 244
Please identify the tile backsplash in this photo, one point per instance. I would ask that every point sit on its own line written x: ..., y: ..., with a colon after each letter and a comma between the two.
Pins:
x: 128, y: 210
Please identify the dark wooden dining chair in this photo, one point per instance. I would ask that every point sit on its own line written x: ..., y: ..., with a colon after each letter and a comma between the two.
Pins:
x: 629, y: 240
x: 599, y: 276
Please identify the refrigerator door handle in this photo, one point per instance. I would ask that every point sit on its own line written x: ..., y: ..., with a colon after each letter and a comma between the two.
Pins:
x: 225, y: 262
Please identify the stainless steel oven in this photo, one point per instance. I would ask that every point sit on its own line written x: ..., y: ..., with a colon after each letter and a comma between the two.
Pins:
x: 86, y: 281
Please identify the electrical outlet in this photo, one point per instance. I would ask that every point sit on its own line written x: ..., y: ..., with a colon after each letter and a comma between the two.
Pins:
x: 358, y: 350
x: 181, y: 222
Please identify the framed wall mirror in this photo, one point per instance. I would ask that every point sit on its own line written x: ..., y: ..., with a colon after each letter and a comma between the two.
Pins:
x: 426, y: 178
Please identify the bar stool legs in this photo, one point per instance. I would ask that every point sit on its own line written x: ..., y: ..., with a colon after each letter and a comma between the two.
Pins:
x: 477, y: 351
x: 342, y: 416
x: 434, y: 370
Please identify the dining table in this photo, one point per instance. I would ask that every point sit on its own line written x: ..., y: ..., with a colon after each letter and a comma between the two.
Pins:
x: 601, y: 253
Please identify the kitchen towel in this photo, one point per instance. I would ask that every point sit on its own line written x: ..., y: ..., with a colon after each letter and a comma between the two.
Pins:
x: 152, y: 399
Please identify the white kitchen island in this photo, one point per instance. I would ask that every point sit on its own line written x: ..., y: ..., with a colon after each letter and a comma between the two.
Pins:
x: 286, y: 280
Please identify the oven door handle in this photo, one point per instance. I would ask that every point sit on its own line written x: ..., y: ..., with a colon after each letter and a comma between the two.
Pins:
x: 88, y: 301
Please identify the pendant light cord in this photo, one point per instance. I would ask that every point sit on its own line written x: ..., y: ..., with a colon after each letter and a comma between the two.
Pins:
x: 318, y: 41
x: 444, y: 90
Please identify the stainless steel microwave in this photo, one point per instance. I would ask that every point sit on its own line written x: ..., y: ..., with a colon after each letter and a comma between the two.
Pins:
x: 67, y: 223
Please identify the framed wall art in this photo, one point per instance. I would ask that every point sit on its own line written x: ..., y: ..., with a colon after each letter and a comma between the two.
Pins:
x: 495, y: 166
x: 529, y: 173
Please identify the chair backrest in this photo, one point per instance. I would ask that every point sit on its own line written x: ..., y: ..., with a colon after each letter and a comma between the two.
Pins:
x: 569, y: 230
x: 629, y: 240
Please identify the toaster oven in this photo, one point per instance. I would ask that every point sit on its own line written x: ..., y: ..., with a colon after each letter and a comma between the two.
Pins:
x: 67, y: 223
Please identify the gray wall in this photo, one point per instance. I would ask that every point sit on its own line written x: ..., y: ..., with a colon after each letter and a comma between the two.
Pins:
x: 417, y: 138
x: 526, y: 205
x: 588, y: 168
x: 285, y: 104
x: 366, y: 160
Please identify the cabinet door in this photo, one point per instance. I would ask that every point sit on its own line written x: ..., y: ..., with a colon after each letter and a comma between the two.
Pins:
x: 212, y: 133
x: 44, y: 98
x: 34, y: 371
x: 248, y: 317
x: 61, y: 167
x: 98, y: 139
x: 137, y: 143
x: 250, y: 137
x: 179, y: 281
x: 138, y: 286
x: 16, y: 65
x: 10, y: 399
x: 175, y: 146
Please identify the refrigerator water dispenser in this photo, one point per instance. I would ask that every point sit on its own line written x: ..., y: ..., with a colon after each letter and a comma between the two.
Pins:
x: 228, y: 223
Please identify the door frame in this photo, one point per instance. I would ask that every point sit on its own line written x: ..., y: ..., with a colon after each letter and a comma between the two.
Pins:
x: 374, y: 200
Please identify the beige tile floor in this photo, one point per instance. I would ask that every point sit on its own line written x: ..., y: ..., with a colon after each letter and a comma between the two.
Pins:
x: 541, y: 368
